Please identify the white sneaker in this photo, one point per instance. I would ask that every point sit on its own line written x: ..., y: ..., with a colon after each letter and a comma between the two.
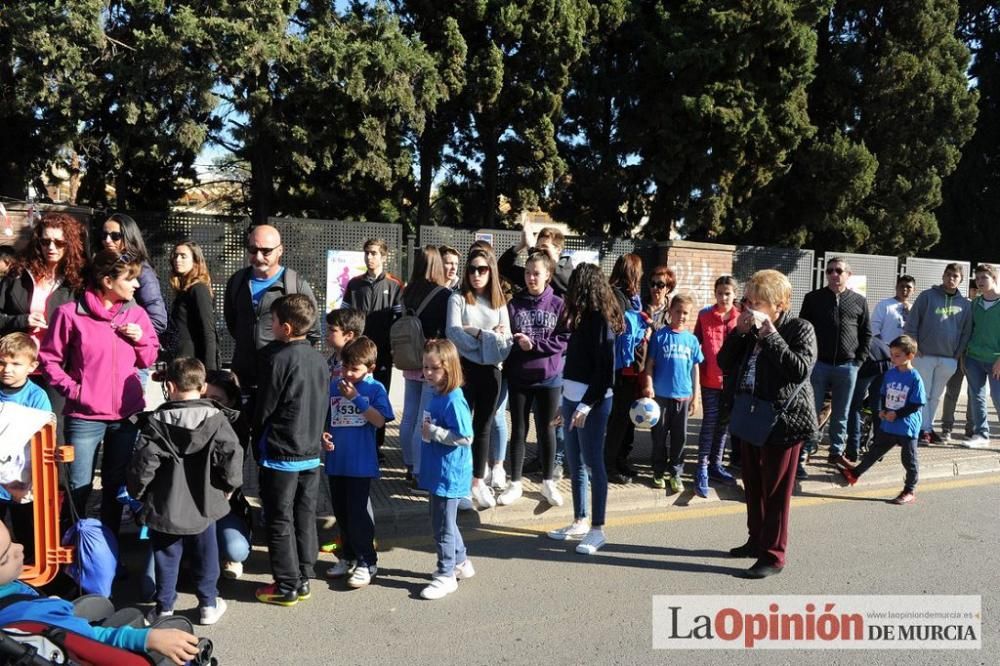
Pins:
x: 341, y: 568
x: 211, y: 614
x: 592, y: 542
x: 512, y: 494
x: 465, y: 570
x: 497, y: 477
x: 483, y: 495
x: 976, y: 442
x: 465, y: 504
x: 551, y: 493
x: 440, y: 587
x: 153, y: 615
x: 232, y: 570
x: 361, y: 576
x: 574, y: 531
x: 557, y: 473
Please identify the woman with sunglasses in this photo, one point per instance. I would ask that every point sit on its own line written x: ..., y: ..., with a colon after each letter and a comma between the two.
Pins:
x: 91, y: 354
x: 48, y: 275
x: 192, y: 317
x: 479, y: 326
x: 121, y: 234
x: 661, y: 287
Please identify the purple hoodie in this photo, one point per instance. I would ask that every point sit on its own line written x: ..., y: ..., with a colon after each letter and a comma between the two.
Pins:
x: 92, y: 364
x: 536, y: 317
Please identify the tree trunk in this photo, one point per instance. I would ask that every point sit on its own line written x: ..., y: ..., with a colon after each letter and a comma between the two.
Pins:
x: 430, y: 157
x: 491, y: 167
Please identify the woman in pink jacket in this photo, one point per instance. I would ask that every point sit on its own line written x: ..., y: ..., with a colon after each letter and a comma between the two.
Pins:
x: 91, y: 354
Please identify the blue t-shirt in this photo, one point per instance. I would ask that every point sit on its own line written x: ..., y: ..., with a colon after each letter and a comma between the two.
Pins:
x: 354, y: 453
x: 674, y: 354
x: 899, y: 389
x: 29, y: 395
x: 259, y: 285
x: 446, y: 471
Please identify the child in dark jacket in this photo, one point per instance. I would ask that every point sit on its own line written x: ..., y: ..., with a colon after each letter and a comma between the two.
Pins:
x: 291, y: 413
x: 186, y: 462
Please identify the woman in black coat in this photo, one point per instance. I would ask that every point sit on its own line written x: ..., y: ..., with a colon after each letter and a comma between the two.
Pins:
x: 770, y: 356
x: 191, y: 331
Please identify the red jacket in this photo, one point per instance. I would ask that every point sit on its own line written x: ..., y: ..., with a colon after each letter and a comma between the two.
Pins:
x: 711, y: 331
x: 92, y: 364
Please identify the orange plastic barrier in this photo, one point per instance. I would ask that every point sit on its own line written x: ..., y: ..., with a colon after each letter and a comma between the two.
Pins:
x: 49, y: 554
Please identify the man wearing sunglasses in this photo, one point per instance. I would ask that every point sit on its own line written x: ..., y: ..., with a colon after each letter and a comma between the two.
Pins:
x: 843, y: 331
x: 250, y: 292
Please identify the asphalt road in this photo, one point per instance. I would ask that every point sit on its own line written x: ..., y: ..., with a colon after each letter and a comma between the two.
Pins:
x: 534, y: 601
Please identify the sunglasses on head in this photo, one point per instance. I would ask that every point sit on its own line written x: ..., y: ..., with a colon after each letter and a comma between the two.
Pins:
x: 658, y: 285
x: 266, y: 251
x: 45, y: 242
x: 126, y: 258
x: 479, y: 270
x: 831, y: 271
x: 113, y: 235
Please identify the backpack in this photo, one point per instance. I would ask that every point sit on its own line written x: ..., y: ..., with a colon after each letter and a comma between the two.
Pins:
x: 406, y: 337
x: 630, y: 341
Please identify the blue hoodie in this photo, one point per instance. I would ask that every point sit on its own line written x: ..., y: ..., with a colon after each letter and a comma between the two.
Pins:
x: 59, y: 613
x: 536, y: 317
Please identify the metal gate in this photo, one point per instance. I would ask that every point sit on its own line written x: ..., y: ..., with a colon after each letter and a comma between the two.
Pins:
x: 796, y: 264
x: 880, y: 273
x: 928, y: 272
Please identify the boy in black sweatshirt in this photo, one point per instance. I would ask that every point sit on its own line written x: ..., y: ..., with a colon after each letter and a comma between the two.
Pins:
x: 288, y: 430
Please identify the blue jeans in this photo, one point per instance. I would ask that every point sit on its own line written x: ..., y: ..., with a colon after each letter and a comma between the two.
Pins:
x: 585, y: 456
x: 234, y: 546
x: 862, y: 388
x: 416, y: 439
x: 411, y: 420
x: 498, y: 433
x: 119, y: 441
x: 713, y: 437
x: 450, y: 546
x: 561, y: 445
x: 979, y: 373
x: 840, y: 379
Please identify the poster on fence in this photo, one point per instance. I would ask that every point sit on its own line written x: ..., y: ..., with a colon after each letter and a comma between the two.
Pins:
x: 341, y: 266
x: 578, y: 257
x: 858, y: 283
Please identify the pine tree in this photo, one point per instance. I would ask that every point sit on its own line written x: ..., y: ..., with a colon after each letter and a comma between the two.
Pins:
x: 46, y: 79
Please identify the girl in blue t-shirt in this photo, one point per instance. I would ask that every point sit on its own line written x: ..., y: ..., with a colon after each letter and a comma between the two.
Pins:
x: 446, y: 463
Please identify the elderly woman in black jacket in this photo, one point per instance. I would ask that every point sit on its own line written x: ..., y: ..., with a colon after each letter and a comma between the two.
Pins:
x: 770, y: 356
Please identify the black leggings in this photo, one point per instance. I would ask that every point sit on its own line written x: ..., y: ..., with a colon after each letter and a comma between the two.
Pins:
x: 482, y: 390
x: 545, y: 402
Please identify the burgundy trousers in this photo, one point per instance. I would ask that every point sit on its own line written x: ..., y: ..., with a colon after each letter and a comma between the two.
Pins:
x: 768, y: 480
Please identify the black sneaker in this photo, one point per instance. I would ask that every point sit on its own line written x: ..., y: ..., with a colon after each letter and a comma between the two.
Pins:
x: 801, y: 472
x: 621, y: 479
x: 272, y: 594
x: 303, y: 590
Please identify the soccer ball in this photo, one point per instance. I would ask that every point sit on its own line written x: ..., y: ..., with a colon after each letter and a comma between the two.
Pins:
x: 645, y: 413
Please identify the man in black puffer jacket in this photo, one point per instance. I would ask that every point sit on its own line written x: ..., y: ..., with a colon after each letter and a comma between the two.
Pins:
x: 843, y: 330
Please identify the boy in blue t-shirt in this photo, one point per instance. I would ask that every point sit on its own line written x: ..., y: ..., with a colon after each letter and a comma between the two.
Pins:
x: 18, y: 359
x: 671, y: 376
x: 903, y: 395
x: 359, y: 406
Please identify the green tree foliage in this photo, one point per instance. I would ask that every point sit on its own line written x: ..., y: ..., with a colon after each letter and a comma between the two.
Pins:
x: 722, y: 104
x: 971, y: 210
x: 154, y: 105
x: 47, y: 51
x: 893, y: 108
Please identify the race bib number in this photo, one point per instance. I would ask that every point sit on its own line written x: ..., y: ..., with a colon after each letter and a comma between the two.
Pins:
x: 343, y: 414
x: 895, y: 397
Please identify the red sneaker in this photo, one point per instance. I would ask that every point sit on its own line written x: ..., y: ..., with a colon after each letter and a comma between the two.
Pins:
x: 849, y: 475
x: 905, y: 497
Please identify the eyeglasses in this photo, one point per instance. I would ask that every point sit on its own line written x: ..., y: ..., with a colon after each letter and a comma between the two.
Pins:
x: 266, y: 251
x: 479, y: 270
x: 113, y: 235
x: 831, y: 271
x: 45, y: 242
x: 658, y: 285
